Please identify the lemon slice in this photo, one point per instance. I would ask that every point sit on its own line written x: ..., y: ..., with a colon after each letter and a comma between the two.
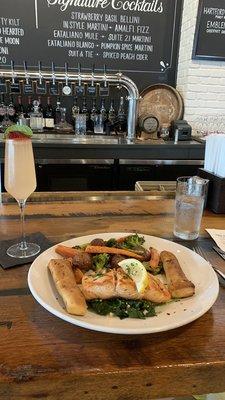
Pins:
x: 136, y: 271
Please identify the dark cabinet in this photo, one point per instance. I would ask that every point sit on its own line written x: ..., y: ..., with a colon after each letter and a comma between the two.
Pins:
x: 75, y: 177
x: 129, y: 174
x: 172, y: 172
x: 107, y: 174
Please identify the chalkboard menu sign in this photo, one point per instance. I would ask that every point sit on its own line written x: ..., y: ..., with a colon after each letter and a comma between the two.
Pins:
x: 137, y: 37
x: 209, y: 42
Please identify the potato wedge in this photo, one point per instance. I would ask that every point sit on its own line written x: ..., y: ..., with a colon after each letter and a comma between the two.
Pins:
x: 178, y: 284
x: 64, y: 279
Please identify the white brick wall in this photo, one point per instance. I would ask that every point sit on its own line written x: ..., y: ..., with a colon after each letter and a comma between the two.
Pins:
x: 201, y: 83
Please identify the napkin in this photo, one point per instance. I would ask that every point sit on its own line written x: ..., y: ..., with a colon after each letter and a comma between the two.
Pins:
x: 214, y: 155
x: 9, y: 262
x: 218, y: 236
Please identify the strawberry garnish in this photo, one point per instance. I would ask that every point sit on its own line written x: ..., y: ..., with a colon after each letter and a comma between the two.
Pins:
x: 18, y: 132
x: 16, y: 135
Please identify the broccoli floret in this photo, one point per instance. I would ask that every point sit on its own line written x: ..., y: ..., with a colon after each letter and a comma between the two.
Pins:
x: 111, y: 243
x: 133, y: 241
x: 80, y: 247
x: 100, y: 261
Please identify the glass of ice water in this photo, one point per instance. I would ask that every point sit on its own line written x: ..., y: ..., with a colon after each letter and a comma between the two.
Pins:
x: 98, y: 124
x: 81, y: 124
x: 189, y: 203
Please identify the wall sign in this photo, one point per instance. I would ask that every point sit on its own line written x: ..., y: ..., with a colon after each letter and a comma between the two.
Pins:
x: 138, y: 37
x: 209, y: 41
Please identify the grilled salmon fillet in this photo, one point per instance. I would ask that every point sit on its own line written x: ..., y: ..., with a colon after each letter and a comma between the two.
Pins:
x: 99, y: 286
x: 125, y: 286
x: 116, y: 283
x: 156, y: 291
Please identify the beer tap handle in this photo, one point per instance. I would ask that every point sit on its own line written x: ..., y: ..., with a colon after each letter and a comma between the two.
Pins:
x: 79, y: 74
x: 79, y: 88
x: 53, y: 73
x: 92, y: 74
x: 105, y: 76
x: 39, y: 72
x: 119, y: 75
x: 12, y: 72
x: 66, y: 73
x: 66, y: 88
x: 26, y: 73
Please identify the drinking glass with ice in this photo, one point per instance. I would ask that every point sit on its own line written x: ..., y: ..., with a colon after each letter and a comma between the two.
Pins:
x: 189, y: 203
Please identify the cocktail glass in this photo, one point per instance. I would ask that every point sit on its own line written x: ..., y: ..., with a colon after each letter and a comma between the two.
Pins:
x: 20, y: 182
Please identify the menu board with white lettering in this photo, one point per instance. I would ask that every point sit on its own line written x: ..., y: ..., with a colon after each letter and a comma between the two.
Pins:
x: 136, y: 37
x: 209, y: 40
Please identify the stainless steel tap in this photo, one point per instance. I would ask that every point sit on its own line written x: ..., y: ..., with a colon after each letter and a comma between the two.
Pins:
x: 113, y: 79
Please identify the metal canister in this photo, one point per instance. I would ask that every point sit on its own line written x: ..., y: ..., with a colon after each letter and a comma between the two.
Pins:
x: 148, y: 123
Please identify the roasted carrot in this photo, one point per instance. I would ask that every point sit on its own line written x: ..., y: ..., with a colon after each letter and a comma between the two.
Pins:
x: 66, y: 252
x: 154, y: 260
x: 121, y: 239
x: 113, y: 250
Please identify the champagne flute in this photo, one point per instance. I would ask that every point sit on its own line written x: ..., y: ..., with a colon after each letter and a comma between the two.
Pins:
x: 20, y: 182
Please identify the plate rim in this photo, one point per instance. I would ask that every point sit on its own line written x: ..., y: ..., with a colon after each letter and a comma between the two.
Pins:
x: 125, y: 331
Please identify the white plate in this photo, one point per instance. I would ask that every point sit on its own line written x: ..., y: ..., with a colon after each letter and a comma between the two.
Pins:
x: 169, y: 316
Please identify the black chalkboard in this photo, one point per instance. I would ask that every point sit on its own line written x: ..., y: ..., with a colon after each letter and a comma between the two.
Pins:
x: 209, y: 41
x: 137, y: 37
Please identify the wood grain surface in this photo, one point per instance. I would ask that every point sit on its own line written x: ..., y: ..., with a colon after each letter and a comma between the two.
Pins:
x: 43, y: 357
x: 161, y: 101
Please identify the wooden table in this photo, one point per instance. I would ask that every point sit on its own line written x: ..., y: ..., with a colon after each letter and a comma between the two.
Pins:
x: 43, y: 357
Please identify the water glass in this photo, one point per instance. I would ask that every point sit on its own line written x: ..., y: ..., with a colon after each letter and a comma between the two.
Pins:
x: 80, y: 124
x: 189, y: 203
x: 98, y: 124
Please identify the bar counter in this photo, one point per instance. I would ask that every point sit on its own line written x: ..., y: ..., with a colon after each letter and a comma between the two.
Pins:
x: 49, y: 148
x: 46, y: 358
